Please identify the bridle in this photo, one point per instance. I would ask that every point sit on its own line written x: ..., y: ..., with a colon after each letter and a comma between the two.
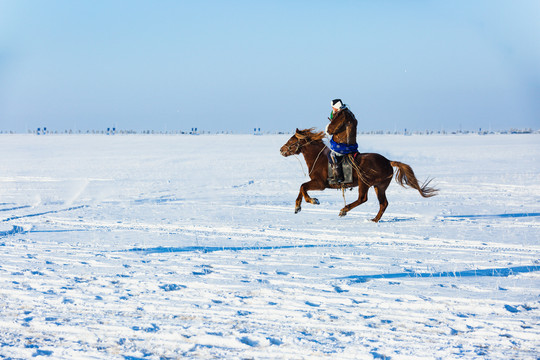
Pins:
x: 300, y: 145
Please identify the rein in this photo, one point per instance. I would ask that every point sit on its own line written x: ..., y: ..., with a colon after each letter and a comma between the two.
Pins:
x: 316, y: 159
x: 359, y: 171
x: 301, y: 167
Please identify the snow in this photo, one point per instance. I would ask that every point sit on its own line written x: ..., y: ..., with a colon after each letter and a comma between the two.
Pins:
x: 165, y: 247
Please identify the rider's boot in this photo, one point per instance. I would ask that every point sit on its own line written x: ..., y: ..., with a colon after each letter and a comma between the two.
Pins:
x: 337, y: 169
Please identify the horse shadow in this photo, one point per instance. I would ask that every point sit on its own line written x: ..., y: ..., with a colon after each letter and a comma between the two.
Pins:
x: 397, y: 219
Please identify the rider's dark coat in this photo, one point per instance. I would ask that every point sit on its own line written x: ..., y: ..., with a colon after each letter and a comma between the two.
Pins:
x: 342, y: 127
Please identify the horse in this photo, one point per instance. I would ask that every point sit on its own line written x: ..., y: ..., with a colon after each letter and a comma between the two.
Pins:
x: 372, y: 170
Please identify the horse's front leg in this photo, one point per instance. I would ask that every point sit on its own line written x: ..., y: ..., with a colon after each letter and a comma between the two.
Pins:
x: 362, y: 198
x: 310, y: 185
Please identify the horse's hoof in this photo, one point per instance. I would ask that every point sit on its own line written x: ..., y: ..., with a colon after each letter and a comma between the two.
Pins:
x: 375, y: 220
x: 297, y: 210
x: 342, y: 213
x: 315, y: 201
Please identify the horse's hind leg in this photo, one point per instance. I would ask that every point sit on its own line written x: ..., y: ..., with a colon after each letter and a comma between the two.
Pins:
x: 362, y: 198
x: 380, y: 190
x: 310, y: 185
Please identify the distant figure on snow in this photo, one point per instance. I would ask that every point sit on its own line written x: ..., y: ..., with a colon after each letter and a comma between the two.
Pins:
x: 342, y: 128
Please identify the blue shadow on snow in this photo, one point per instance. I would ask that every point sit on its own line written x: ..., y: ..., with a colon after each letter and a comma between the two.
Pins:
x: 20, y: 230
x: 501, y: 272
x: 502, y: 216
x: 16, y: 208
x: 14, y: 230
x: 44, y: 213
x: 397, y: 219
x: 208, y: 249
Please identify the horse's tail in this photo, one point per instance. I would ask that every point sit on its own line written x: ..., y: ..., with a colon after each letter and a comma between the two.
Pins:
x: 405, y: 177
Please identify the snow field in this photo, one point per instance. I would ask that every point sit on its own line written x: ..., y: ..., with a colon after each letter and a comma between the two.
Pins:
x: 157, y: 247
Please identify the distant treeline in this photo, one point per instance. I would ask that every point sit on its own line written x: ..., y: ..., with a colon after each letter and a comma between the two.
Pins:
x: 257, y: 131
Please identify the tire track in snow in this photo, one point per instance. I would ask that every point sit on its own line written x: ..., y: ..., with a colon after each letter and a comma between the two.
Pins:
x: 370, y: 238
x: 44, y: 213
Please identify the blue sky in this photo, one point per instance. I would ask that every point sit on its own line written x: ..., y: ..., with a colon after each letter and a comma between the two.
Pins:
x: 236, y: 65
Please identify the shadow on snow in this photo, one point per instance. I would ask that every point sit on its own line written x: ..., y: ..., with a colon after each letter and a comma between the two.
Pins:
x: 501, y: 272
x: 43, y: 213
x: 209, y: 249
x: 14, y: 230
x: 501, y: 216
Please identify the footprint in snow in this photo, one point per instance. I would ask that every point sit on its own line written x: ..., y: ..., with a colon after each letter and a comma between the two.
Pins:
x: 276, y: 342
x: 339, y: 290
x: 205, y: 270
x: 248, y: 341
x: 152, y: 329
x: 377, y: 355
x: 215, y: 333
x: 511, y: 308
x: 42, y: 353
x: 515, y: 309
x: 202, y: 272
x: 26, y: 321
x: 172, y: 287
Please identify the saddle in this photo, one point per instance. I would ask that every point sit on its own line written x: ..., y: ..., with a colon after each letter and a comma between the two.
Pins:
x: 347, y: 171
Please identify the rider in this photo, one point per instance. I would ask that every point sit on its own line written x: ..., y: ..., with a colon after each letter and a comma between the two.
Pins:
x: 342, y: 128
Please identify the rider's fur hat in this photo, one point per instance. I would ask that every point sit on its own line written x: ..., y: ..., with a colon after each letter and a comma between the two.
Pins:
x: 337, y: 103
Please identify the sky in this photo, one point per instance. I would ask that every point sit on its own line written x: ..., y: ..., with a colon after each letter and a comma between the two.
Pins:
x: 275, y: 65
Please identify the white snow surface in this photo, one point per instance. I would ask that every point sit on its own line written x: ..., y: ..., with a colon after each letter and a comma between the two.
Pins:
x: 168, y: 247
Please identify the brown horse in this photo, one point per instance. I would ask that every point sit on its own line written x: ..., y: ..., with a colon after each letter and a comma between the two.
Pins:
x: 371, y: 170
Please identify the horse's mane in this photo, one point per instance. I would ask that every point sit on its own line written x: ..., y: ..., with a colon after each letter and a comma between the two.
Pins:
x: 310, y: 134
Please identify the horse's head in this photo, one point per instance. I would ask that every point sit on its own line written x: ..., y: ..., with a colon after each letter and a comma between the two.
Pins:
x: 293, y: 146
x: 298, y: 140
